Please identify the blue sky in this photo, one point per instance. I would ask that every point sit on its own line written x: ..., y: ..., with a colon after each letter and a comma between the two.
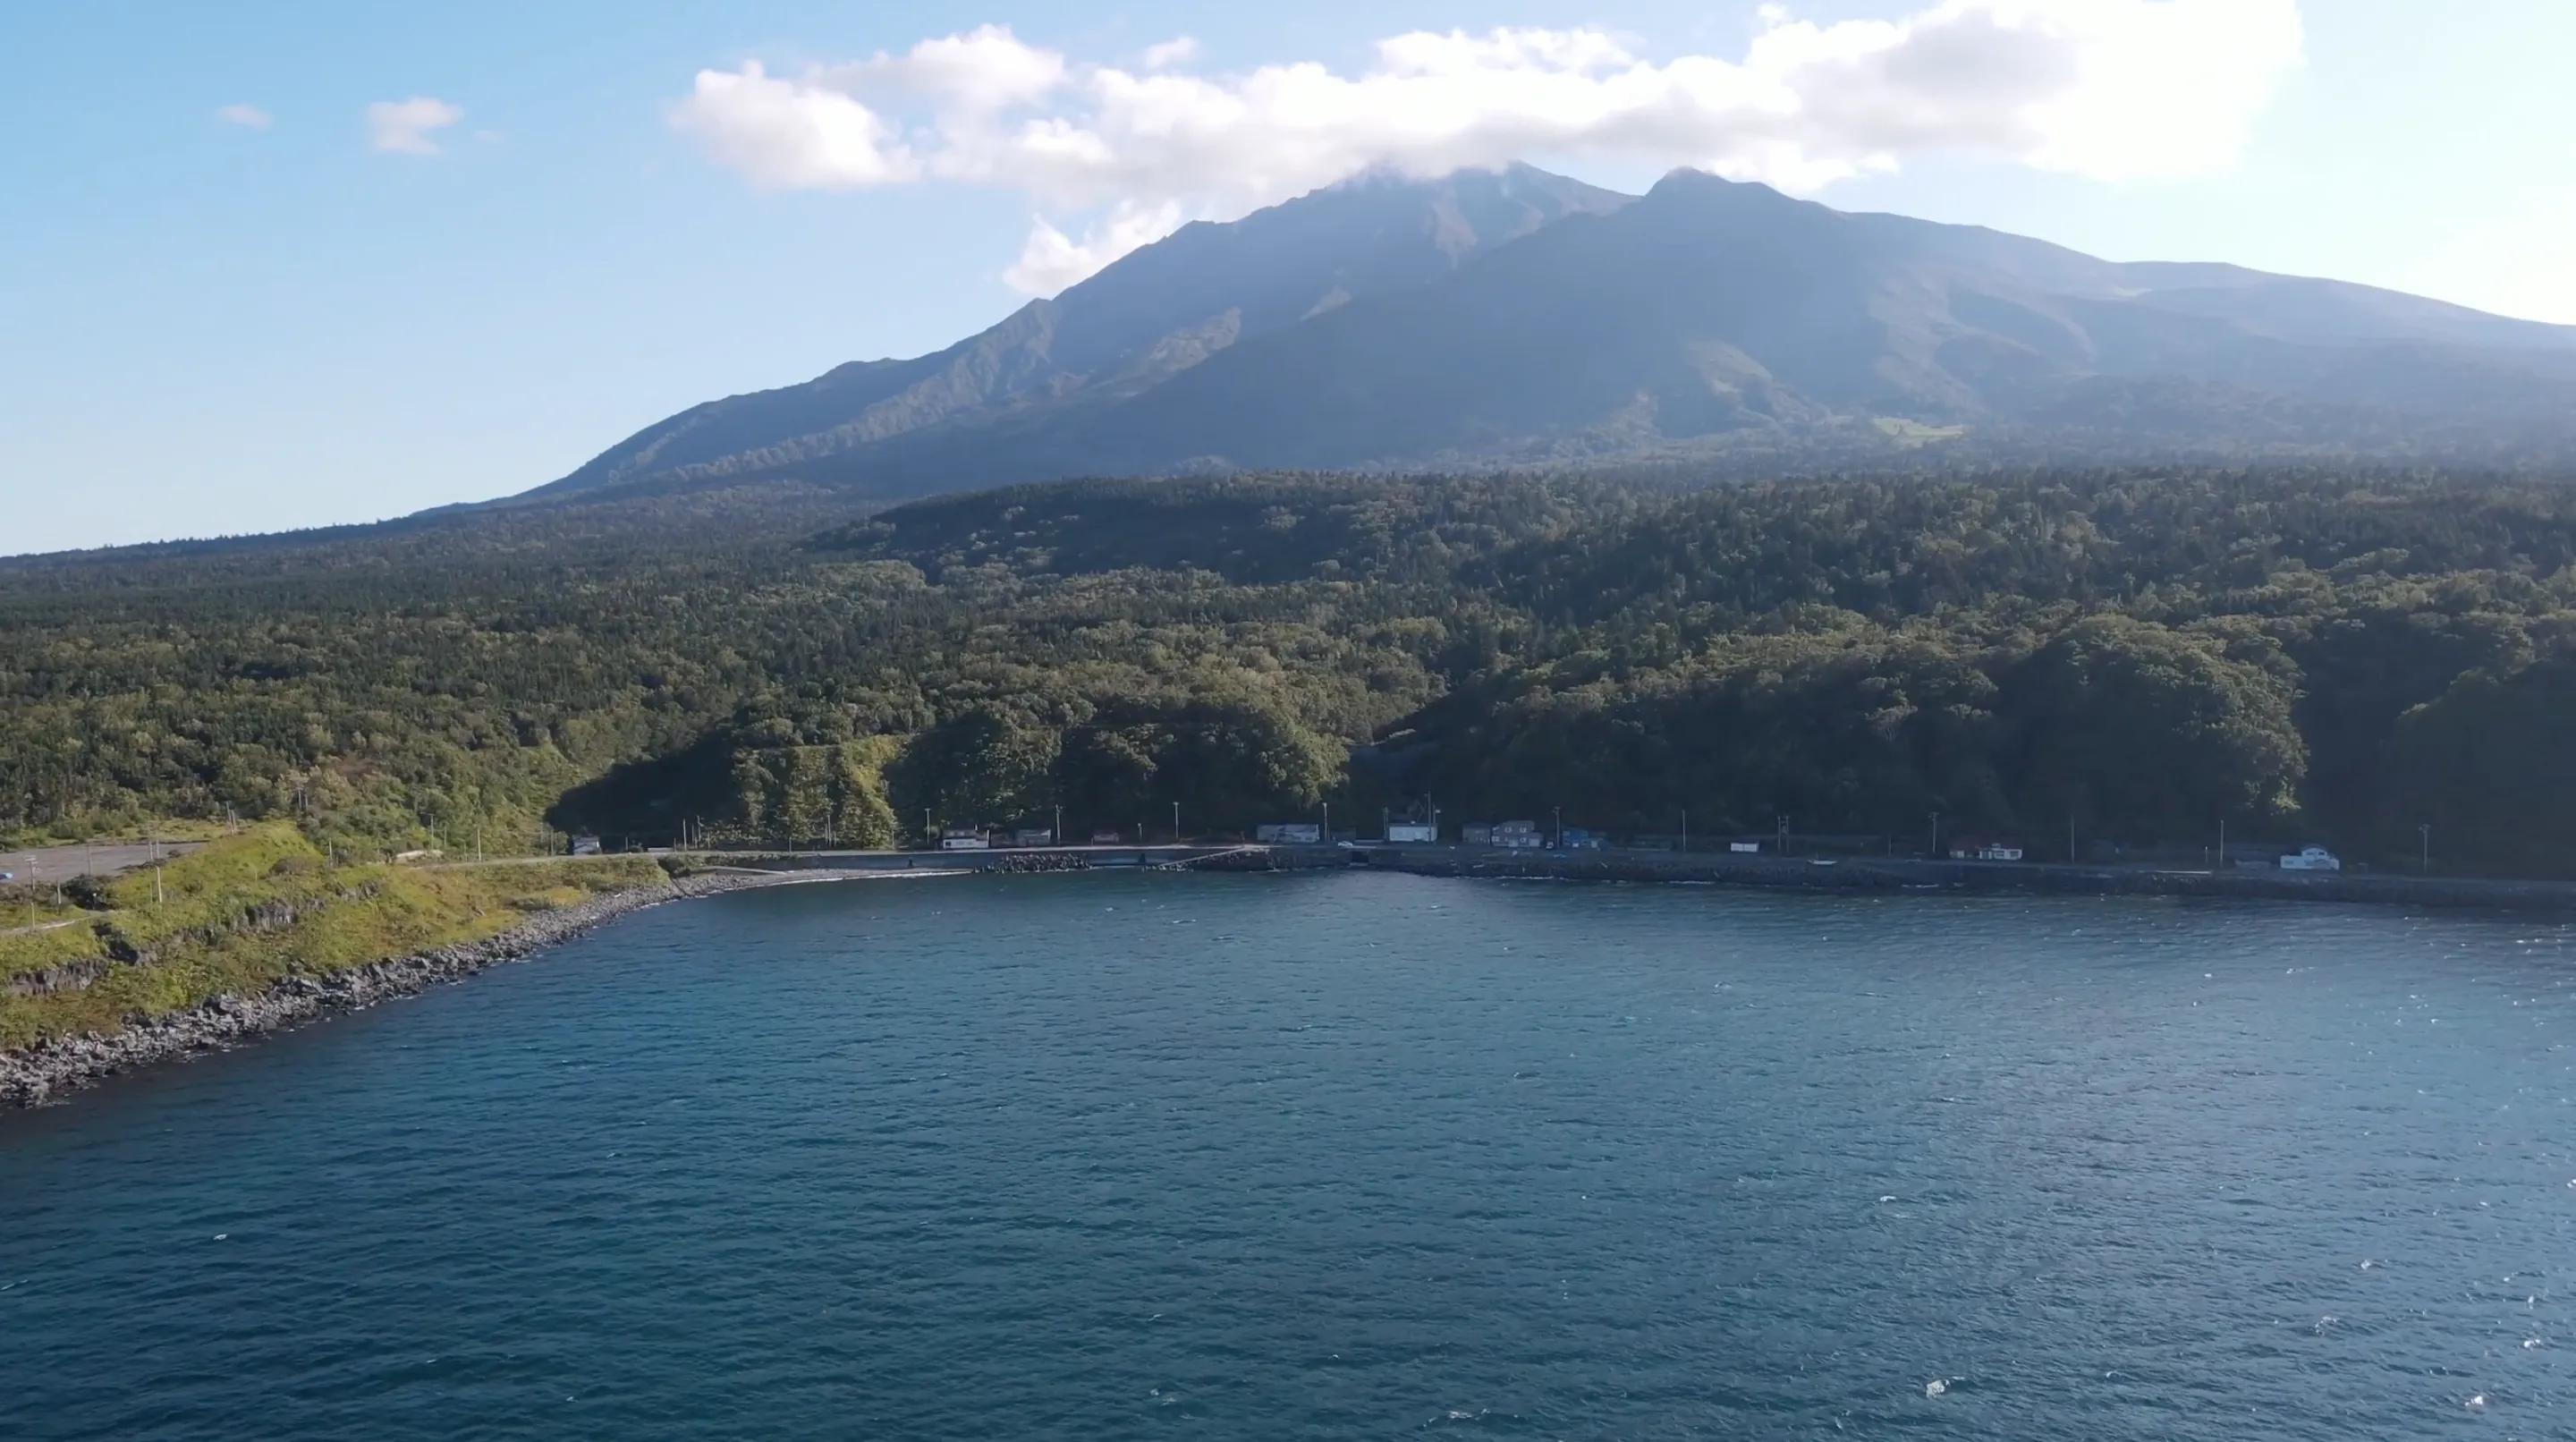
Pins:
x: 209, y: 326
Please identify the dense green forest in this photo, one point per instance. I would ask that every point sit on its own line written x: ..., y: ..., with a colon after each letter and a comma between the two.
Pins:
x: 2132, y: 657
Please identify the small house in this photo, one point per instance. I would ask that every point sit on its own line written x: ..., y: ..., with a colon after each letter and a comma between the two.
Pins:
x: 1033, y: 836
x: 1411, y: 833
x: 1289, y: 832
x: 1107, y: 838
x: 1975, y: 850
x: 959, y: 838
x: 585, y: 846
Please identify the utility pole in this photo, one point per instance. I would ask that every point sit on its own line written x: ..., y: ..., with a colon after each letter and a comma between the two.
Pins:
x: 1056, y: 837
x: 2222, y: 843
x: 1328, y: 823
x: 927, y: 838
x: 2427, y: 830
x: 1560, y: 827
x: 2070, y: 838
x: 1936, y: 835
x: 1176, y: 823
x: 1685, y: 831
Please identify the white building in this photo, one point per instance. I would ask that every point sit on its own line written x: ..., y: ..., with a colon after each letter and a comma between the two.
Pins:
x: 2312, y: 858
x: 958, y: 839
x: 1411, y: 833
x: 1291, y: 832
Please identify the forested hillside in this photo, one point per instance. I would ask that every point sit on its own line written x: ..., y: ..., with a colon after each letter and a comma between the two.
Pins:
x: 2136, y: 655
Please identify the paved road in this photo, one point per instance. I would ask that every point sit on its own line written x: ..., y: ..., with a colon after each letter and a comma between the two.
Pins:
x: 62, y: 863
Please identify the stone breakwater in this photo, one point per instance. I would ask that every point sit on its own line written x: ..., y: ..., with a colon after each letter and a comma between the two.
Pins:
x: 64, y: 1064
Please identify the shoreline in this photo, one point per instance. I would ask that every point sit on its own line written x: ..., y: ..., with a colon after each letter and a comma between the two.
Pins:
x: 1868, y: 874
x: 54, y: 1068
x: 51, y: 1070
x: 1899, y: 876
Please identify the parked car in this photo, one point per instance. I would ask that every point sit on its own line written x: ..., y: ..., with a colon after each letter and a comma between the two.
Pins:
x: 8, y: 876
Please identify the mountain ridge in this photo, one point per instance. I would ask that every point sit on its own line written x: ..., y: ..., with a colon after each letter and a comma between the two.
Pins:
x: 1153, y: 313
x: 1514, y: 314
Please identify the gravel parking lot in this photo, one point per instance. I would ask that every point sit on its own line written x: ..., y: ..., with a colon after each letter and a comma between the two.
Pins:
x: 62, y: 863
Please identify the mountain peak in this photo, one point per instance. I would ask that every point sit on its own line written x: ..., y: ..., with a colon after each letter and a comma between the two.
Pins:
x: 1686, y: 186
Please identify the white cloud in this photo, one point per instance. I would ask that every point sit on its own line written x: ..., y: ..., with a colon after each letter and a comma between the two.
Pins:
x: 404, y: 126
x: 787, y: 136
x: 2111, y: 89
x: 1171, y: 53
x: 246, y: 115
x: 1052, y: 260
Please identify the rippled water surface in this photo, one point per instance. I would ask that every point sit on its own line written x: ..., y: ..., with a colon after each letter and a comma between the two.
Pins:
x: 1345, y: 1157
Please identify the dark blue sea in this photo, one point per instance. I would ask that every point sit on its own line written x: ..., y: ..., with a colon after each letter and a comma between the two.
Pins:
x: 1364, y: 1156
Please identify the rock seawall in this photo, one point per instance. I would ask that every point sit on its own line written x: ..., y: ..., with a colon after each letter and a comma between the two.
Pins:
x: 63, y: 1064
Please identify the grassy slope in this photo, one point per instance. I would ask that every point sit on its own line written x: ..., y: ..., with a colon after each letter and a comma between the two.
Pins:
x: 253, y: 909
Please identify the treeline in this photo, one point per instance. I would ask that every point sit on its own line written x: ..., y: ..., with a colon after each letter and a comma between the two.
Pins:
x: 2138, y: 656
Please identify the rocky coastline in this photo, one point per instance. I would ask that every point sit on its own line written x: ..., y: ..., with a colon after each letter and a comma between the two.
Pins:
x: 60, y: 1065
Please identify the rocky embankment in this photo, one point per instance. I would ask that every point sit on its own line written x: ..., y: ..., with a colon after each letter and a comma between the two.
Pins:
x: 63, y: 1064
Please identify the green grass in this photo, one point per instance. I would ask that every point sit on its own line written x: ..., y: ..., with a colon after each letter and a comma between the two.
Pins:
x: 24, y: 906
x: 255, y: 908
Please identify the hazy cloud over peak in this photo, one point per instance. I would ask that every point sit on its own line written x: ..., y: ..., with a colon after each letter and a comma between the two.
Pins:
x: 2112, y: 89
x: 404, y: 126
x: 245, y: 115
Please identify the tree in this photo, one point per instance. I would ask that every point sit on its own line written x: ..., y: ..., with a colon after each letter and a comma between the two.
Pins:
x: 2161, y: 731
x: 2491, y: 766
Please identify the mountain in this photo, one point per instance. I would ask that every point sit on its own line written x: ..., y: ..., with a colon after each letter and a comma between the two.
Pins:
x: 1150, y: 316
x: 1517, y: 315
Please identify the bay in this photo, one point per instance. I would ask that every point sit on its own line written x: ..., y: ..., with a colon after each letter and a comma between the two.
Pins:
x: 1144, y: 1156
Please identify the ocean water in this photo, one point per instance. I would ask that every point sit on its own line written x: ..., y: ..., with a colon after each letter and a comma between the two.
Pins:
x: 1362, y: 1156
